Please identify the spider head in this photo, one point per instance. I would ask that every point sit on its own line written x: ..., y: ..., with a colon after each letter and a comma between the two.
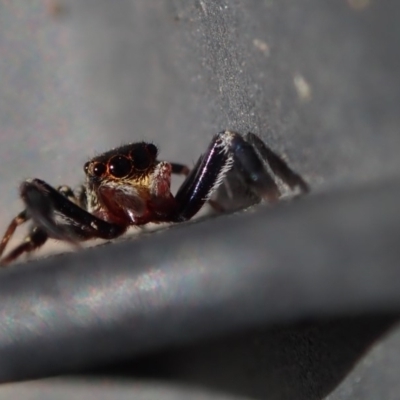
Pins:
x: 121, y: 183
x: 129, y: 163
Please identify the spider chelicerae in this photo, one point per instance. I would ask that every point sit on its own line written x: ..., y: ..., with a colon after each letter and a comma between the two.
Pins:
x: 129, y: 186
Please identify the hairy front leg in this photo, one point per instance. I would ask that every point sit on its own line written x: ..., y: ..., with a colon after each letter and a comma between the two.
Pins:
x: 54, y: 216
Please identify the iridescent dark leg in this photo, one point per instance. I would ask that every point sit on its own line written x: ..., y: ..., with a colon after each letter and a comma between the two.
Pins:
x: 55, y: 216
x: 62, y: 218
x: 277, y: 164
x: 23, y: 217
x: 252, y: 159
x: 203, y: 179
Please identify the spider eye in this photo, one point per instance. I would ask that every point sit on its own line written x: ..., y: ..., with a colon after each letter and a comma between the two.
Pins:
x: 142, y: 157
x: 86, y: 167
x: 120, y: 166
x: 152, y: 149
x: 99, y: 169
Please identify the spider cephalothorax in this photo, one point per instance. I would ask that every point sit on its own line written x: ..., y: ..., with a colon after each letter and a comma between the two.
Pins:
x: 129, y: 186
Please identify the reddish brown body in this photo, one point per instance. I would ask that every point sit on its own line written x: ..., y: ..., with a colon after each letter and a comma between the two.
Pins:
x: 128, y: 186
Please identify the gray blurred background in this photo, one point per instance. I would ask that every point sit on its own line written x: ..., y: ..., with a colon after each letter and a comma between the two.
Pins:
x: 318, y: 80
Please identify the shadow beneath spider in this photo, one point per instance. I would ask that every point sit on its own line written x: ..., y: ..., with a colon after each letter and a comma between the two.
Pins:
x: 304, y: 361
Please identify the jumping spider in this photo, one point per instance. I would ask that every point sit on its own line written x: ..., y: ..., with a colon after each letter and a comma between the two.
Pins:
x: 129, y: 186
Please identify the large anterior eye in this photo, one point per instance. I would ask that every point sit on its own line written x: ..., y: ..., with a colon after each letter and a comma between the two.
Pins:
x: 120, y: 166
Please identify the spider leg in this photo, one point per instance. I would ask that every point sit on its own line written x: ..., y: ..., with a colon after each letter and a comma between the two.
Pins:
x: 252, y: 168
x: 207, y: 174
x: 61, y: 218
x: 77, y: 196
x: 182, y: 169
x: 254, y: 160
x: 34, y: 240
x: 68, y: 193
x: 81, y: 197
x: 277, y: 164
x: 258, y: 164
x: 55, y: 216
x: 17, y: 221
x: 23, y: 217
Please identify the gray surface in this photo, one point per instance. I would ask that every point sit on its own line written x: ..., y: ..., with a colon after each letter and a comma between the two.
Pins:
x: 196, y: 287
x: 102, y: 390
x: 102, y: 73
x: 199, y: 370
x: 376, y: 374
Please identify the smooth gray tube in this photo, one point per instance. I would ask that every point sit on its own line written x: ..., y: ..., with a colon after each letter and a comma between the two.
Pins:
x: 323, y: 255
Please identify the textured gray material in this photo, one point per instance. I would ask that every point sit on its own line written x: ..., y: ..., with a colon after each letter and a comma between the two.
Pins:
x: 319, y: 80
x: 105, y: 390
x: 197, y: 287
